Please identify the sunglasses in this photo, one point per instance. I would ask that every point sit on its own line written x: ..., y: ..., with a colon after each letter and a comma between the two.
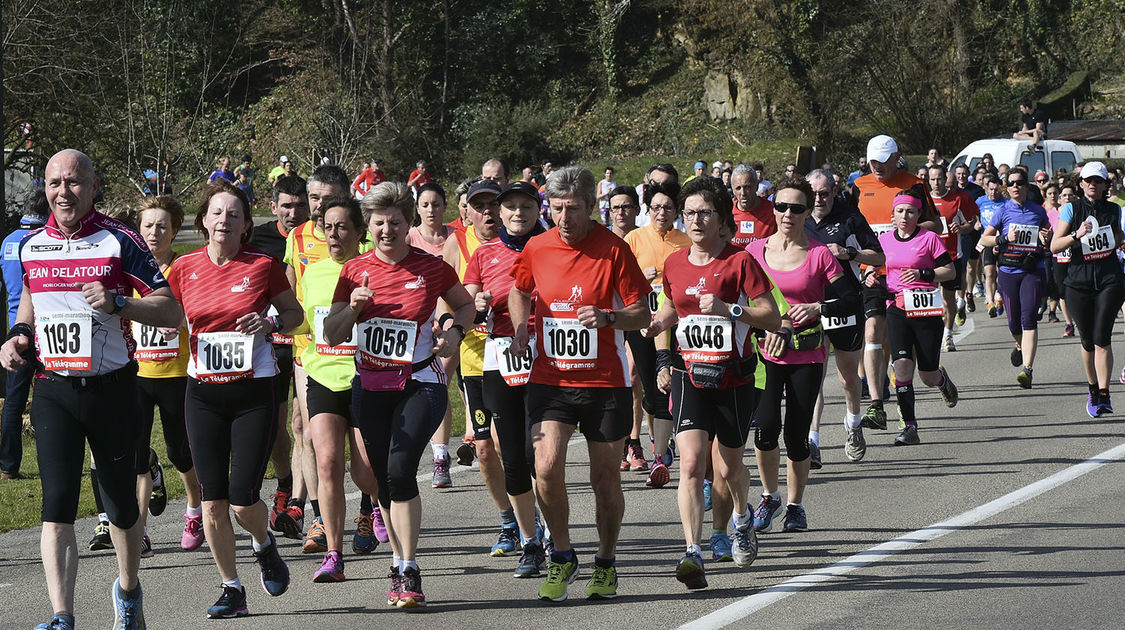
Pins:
x: 1017, y: 182
x: 1094, y: 180
x: 795, y: 208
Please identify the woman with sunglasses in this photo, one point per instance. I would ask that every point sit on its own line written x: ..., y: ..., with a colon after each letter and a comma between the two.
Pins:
x: 795, y: 354
x: 1021, y: 231
x: 916, y: 263
x: 1090, y: 227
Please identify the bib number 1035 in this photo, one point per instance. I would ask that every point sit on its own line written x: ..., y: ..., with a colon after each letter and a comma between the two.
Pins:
x: 223, y: 357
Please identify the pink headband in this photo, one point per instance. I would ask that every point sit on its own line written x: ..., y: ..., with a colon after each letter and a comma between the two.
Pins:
x: 908, y: 200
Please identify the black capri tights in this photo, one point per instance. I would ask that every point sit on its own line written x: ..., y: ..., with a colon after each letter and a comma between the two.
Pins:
x: 231, y: 428
x: 1094, y: 312
x: 799, y: 385
x: 396, y: 428
x: 167, y: 395
x: 65, y: 416
x: 644, y: 357
x: 509, y: 422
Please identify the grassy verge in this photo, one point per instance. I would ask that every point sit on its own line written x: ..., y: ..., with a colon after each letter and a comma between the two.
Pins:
x: 21, y: 499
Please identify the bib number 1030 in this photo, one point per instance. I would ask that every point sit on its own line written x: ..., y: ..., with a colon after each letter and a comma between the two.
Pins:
x: 569, y: 344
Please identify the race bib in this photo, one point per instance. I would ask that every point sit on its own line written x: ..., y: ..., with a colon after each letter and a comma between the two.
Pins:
x: 223, y: 357
x: 1023, y: 238
x: 705, y: 338
x: 654, y: 298
x: 386, y: 343
x: 346, y: 348
x: 1063, y: 256
x: 152, y: 346
x: 570, y: 345
x: 832, y: 323
x: 65, y: 340
x: 514, y: 370
x: 1099, y: 243
x: 882, y: 228
x: 922, y: 302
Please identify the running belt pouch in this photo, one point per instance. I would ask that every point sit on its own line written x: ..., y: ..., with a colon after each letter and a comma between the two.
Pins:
x: 707, y: 375
x: 807, y: 338
x: 384, y: 380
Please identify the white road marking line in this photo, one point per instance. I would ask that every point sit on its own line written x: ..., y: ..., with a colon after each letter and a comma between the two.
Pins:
x: 964, y: 331
x: 749, y: 605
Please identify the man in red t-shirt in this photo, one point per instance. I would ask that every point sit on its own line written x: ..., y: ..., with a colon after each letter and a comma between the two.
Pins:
x: 957, y: 212
x: 589, y: 290
x: 753, y: 215
x: 418, y: 177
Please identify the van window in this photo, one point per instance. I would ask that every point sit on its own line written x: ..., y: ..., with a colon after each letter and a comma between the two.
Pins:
x: 1033, y: 161
x: 1062, y: 159
x: 973, y: 164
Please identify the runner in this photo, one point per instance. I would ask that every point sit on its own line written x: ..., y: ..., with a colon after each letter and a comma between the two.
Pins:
x: 1062, y: 259
x: 753, y: 215
x: 226, y: 288
x: 794, y: 352
x: 304, y: 245
x: 957, y: 212
x: 1021, y: 232
x: 400, y: 392
x: 68, y: 302
x: 989, y: 205
x: 651, y: 245
x: 874, y: 193
x: 712, y: 384
x: 580, y: 379
x: 1090, y: 227
x: 845, y: 232
x: 488, y: 278
x: 330, y: 370
x: 290, y: 204
x: 916, y: 262
x: 484, y: 217
x: 162, y: 356
x: 624, y: 206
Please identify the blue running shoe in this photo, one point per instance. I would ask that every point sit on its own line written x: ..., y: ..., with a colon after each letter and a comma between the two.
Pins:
x: 232, y: 603
x: 58, y: 622
x: 721, y: 547
x: 767, y: 510
x: 690, y: 571
x: 275, y: 573
x: 795, y: 519
x: 1092, y: 401
x: 508, y: 542
x: 130, y: 613
x: 706, y: 495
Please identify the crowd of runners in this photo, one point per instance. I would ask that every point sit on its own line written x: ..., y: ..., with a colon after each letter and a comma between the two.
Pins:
x: 705, y: 309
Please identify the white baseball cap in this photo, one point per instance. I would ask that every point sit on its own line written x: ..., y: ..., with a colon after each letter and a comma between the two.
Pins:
x: 880, y: 148
x: 284, y: 159
x: 1094, y: 169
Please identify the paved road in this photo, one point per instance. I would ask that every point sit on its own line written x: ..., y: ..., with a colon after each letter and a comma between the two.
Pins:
x: 1008, y: 515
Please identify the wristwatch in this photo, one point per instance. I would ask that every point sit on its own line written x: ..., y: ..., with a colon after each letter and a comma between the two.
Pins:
x: 611, y: 317
x: 735, y: 312
x: 119, y: 303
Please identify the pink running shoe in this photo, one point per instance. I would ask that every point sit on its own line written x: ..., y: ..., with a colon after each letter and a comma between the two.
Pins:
x: 380, y: 527
x: 331, y: 570
x: 193, y: 533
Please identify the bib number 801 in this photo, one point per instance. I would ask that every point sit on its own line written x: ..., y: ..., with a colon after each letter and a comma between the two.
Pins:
x: 922, y: 300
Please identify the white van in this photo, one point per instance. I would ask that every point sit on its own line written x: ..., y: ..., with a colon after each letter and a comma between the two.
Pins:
x: 1049, y: 156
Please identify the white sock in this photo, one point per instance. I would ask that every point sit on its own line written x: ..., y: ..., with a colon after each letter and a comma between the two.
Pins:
x: 409, y: 564
x: 258, y: 546
x: 744, y: 519
x: 814, y: 437
x: 235, y: 583
x: 441, y: 451
x: 775, y: 495
x: 695, y: 549
x: 396, y: 562
x: 194, y: 511
x: 103, y: 517
x: 852, y: 420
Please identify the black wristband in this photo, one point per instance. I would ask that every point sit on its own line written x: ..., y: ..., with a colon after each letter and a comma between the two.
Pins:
x: 482, y: 317
x: 852, y: 253
x: 445, y: 317
x: 21, y: 329
x: 927, y: 275
x: 1001, y: 239
x: 663, y: 359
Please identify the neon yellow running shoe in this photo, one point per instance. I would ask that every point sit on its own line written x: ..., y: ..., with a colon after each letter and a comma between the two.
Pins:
x: 603, y: 583
x: 559, y: 576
